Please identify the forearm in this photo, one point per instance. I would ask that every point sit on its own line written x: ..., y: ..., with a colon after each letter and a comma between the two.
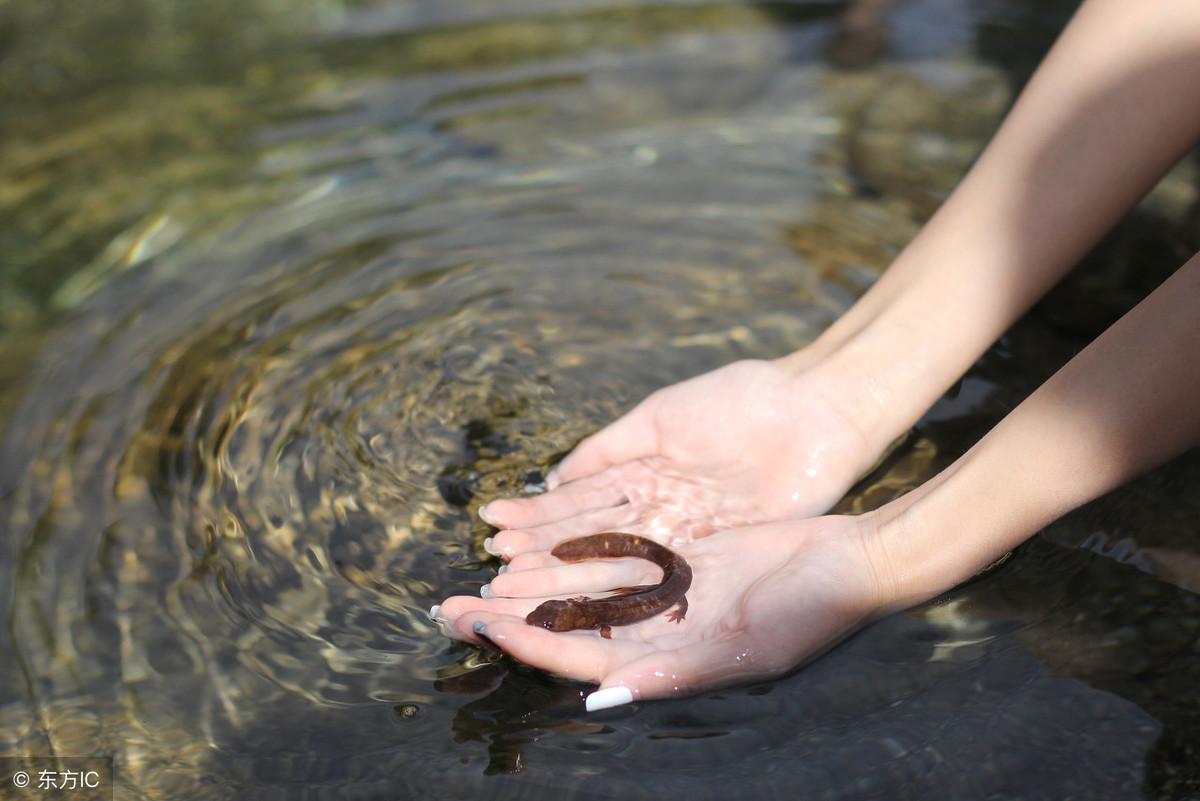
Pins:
x: 1128, y: 402
x: 1106, y: 115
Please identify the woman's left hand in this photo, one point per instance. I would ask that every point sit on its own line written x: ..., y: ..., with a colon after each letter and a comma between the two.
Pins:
x: 763, y: 599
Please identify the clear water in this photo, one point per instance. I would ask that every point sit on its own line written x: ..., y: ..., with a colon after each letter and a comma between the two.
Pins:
x: 289, y: 291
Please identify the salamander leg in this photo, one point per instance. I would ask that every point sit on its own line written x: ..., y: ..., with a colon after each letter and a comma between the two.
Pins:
x: 676, y: 615
x: 606, y: 632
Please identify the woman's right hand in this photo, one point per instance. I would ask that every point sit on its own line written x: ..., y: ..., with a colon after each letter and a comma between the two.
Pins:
x: 751, y: 442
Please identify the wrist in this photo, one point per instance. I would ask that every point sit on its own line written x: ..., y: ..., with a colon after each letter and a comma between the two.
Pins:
x: 879, y: 382
x: 852, y: 417
x: 915, y: 557
x: 954, y: 526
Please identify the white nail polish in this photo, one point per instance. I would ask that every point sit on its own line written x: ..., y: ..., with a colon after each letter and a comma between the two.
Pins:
x: 485, y: 591
x: 608, y: 698
x: 503, y: 569
x: 490, y: 547
x: 434, y: 612
x: 478, y: 626
x: 485, y: 517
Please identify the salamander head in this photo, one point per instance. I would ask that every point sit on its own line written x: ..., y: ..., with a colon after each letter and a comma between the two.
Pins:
x: 554, y: 615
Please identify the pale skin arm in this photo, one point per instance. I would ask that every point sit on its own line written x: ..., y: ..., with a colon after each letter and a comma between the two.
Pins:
x: 1110, y: 110
x: 766, y: 597
x: 1128, y: 402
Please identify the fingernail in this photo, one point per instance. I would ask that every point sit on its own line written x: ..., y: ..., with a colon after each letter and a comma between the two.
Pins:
x: 503, y: 569
x: 435, y: 613
x: 607, y: 698
x: 478, y: 626
x: 485, y: 517
x: 552, y: 479
x: 485, y: 591
x: 490, y: 546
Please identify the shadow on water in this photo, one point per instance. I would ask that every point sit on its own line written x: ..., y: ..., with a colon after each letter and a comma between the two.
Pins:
x: 281, y: 325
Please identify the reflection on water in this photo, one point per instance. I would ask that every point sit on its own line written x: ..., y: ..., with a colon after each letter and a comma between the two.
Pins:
x: 274, y: 327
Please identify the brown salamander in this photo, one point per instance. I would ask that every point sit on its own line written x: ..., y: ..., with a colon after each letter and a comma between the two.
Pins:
x: 630, y: 604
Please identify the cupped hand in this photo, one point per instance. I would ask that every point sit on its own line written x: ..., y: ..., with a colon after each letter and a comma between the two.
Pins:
x: 750, y: 442
x: 763, y: 599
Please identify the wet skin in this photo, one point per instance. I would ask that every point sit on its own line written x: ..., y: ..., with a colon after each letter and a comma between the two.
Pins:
x: 629, y: 604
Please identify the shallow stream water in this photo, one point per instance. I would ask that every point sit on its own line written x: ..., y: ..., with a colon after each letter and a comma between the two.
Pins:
x: 289, y: 292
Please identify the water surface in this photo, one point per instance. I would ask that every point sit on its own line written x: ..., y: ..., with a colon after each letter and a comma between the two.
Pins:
x: 289, y: 293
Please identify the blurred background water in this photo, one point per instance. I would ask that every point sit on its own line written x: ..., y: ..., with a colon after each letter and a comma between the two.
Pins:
x: 289, y: 289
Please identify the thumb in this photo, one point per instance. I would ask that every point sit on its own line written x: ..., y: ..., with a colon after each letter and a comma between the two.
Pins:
x: 670, y: 674
x: 632, y: 436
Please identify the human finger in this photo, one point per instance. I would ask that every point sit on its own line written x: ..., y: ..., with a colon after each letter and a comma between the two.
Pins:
x: 575, y: 655
x: 628, y: 438
x: 564, y: 579
x: 449, y: 611
x: 511, y: 542
x: 565, y: 501
x: 683, y: 671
